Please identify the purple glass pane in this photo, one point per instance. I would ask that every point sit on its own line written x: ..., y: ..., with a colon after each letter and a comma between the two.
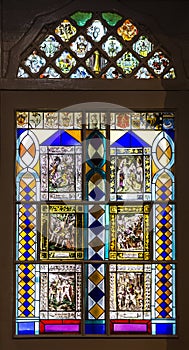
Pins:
x: 130, y: 327
x: 52, y: 328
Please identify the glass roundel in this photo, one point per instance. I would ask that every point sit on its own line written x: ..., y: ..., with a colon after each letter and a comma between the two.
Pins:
x: 72, y: 45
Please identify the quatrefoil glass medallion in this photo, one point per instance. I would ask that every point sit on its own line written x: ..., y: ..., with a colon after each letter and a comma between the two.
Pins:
x: 65, y: 30
x: 81, y: 46
x: 128, y: 30
x: 96, y: 30
x: 50, y: 46
x: 112, y: 46
x: 127, y: 62
x: 65, y: 62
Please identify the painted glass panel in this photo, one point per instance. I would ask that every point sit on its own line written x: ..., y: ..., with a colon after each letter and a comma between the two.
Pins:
x: 81, y: 73
x: 50, y: 46
x: 143, y: 73
x: 112, y: 46
x: 112, y: 73
x: 65, y: 30
x: 95, y: 223
x: 127, y: 31
x: 81, y: 46
x: 127, y: 62
x: 35, y: 62
x: 96, y: 62
x: 50, y: 73
x: 61, y: 232
x: 158, y: 62
x: 96, y: 31
x: 129, y: 232
x: 143, y: 46
x: 65, y: 62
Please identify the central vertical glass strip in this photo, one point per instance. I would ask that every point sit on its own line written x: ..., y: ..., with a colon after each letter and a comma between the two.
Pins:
x: 96, y: 165
x: 95, y: 170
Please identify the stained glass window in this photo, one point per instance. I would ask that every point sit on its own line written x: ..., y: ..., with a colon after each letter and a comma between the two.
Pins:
x: 95, y: 220
x: 103, y: 45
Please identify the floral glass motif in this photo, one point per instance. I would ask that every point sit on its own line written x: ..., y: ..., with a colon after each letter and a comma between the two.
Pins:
x: 143, y: 46
x: 35, y: 62
x: 90, y: 41
x: 65, y: 62
x: 158, y: 62
x: 65, y: 30
x: 112, y: 46
x: 127, y: 62
x: 96, y: 30
x: 81, y: 46
x: 127, y: 31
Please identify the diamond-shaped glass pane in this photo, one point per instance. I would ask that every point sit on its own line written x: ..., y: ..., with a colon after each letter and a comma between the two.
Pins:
x: 170, y: 75
x: 65, y: 30
x: 127, y: 30
x: 143, y: 46
x: 96, y: 62
x: 65, y: 62
x: 112, y: 73
x: 80, y: 73
x: 158, y: 62
x: 22, y: 73
x: 97, y: 30
x: 112, y: 46
x: 143, y: 73
x: 127, y: 62
x: 50, y: 73
x: 35, y: 62
x: 50, y: 45
x: 81, y: 46
x: 81, y: 18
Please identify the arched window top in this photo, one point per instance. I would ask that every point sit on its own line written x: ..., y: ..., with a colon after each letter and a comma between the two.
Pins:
x: 105, y: 45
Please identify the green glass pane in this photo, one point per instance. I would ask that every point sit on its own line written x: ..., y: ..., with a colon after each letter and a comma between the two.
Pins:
x: 111, y: 18
x: 81, y: 18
